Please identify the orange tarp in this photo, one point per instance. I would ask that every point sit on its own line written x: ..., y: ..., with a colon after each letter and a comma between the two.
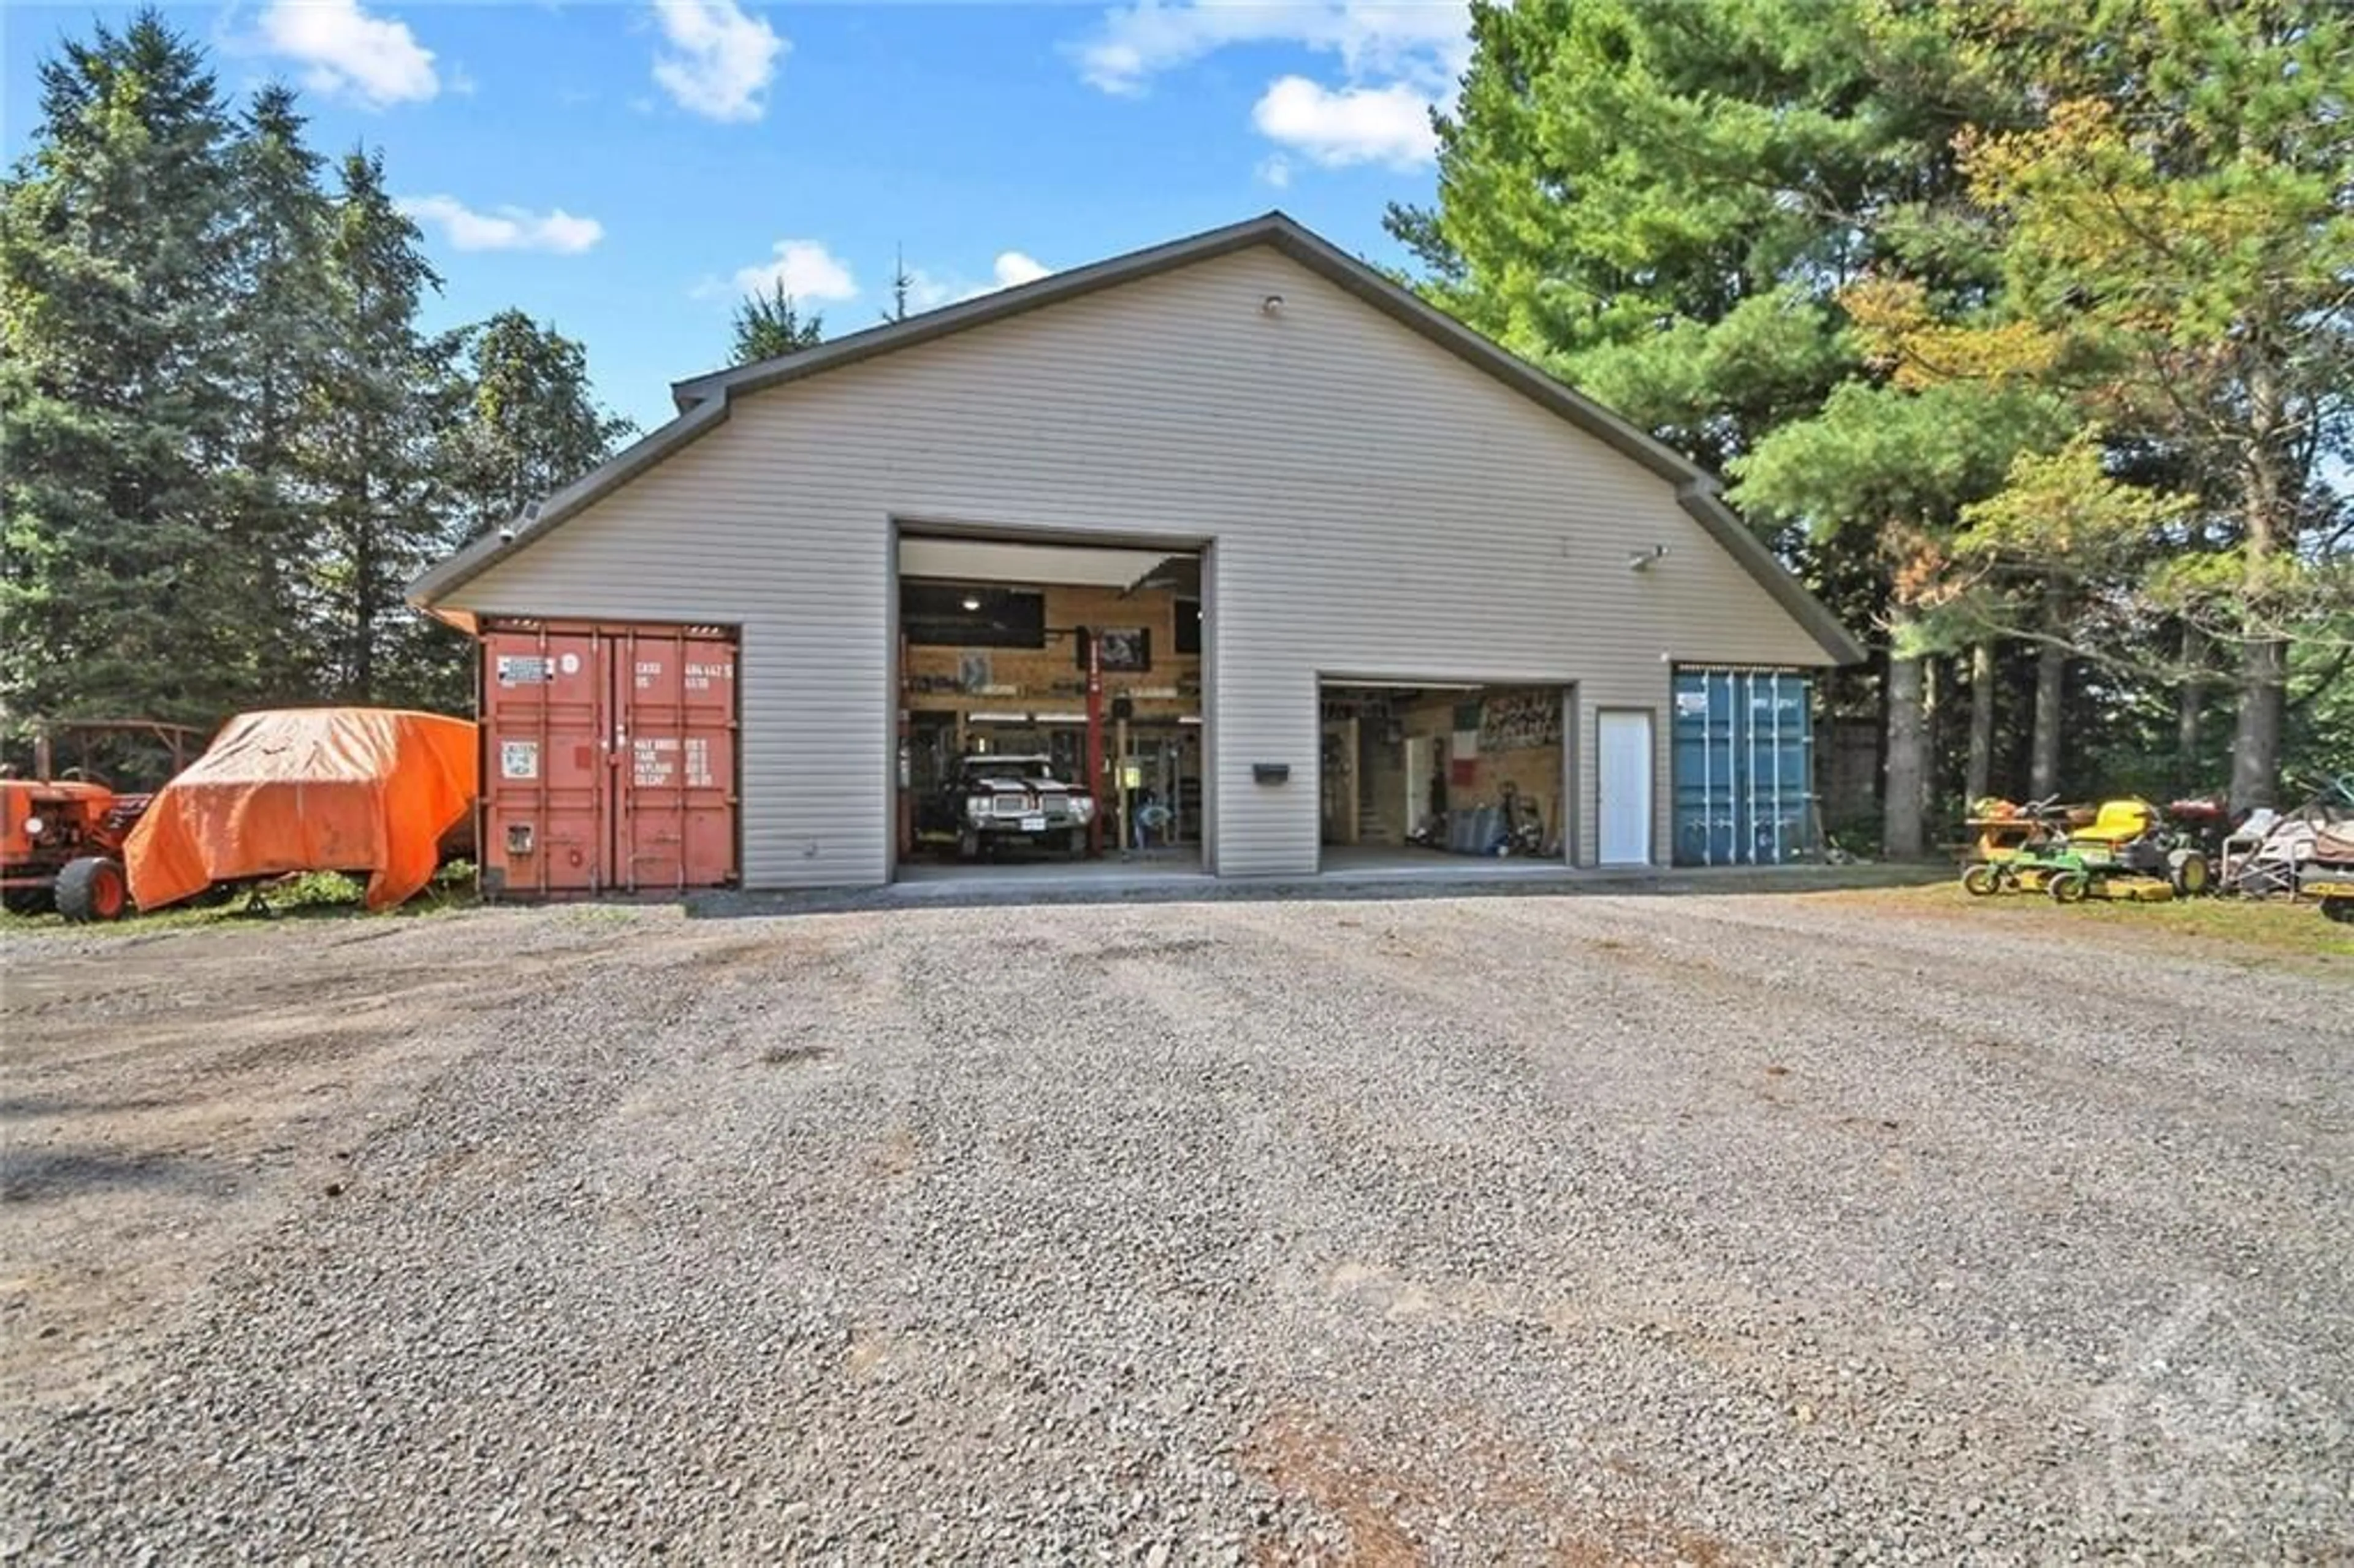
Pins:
x: 356, y: 789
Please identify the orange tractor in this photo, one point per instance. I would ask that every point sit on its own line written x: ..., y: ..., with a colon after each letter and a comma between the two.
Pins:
x: 61, y: 830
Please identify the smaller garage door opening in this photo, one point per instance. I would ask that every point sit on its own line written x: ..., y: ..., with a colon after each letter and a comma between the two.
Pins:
x: 1412, y: 776
x: 1051, y: 709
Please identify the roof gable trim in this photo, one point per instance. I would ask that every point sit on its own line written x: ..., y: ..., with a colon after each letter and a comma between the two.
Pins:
x: 705, y: 401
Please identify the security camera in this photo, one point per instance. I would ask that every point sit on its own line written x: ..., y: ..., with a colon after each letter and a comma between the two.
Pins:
x: 506, y: 535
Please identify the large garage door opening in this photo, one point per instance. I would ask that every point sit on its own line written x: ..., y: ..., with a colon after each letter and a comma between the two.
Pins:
x: 1428, y: 776
x: 1050, y: 708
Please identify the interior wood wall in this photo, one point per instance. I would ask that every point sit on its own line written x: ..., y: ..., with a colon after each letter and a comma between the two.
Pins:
x: 1536, y: 771
x: 1050, y: 679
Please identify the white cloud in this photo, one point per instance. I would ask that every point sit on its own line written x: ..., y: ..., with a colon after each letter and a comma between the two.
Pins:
x: 1399, y: 60
x: 349, y: 53
x: 719, y: 61
x: 1353, y: 125
x: 930, y: 291
x: 1013, y: 268
x: 505, y: 228
x: 805, y: 269
x: 1427, y: 42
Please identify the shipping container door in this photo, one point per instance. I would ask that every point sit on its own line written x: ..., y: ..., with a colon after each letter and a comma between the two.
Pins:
x: 546, y: 696
x: 1742, y: 767
x: 674, y: 753
x: 1780, y: 754
x: 1700, y: 757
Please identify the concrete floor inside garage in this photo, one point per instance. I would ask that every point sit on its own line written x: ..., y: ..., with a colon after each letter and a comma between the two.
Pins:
x: 1175, y: 869
x: 1175, y: 865
x: 1389, y: 862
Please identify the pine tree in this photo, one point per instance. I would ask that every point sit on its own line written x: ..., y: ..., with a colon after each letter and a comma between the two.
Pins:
x: 124, y: 588
x: 224, y: 444
x: 769, y: 326
x: 903, y: 287
x: 373, y: 439
x: 531, y: 423
x: 2174, y: 232
x: 280, y: 326
x: 1660, y: 201
x: 1891, y: 470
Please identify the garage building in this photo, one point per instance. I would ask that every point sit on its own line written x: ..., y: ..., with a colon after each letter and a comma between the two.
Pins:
x: 1348, y: 574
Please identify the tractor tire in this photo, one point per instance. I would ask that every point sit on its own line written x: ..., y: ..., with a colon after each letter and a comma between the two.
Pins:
x: 1981, y: 880
x: 2068, y: 886
x: 92, y: 888
x: 2338, y: 909
x: 25, y: 900
x: 2188, y: 870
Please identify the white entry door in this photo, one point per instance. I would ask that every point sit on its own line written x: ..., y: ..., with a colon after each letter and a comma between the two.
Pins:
x: 1623, y: 769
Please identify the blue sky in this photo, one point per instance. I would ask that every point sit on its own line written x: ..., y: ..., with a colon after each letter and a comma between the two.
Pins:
x: 624, y: 170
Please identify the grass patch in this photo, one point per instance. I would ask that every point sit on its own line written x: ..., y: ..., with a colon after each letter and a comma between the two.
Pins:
x: 178, y: 917
x: 314, y: 888
x: 310, y: 895
x: 2252, y: 926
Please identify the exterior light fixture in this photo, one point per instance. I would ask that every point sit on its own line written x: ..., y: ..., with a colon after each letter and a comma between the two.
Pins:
x: 1643, y: 560
x: 972, y: 601
x: 1271, y: 306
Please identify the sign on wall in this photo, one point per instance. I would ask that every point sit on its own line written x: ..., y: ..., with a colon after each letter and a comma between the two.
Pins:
x: 1520, y: 720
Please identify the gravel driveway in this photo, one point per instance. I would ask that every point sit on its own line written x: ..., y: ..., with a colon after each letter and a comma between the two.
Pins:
x: 1591, y: 1229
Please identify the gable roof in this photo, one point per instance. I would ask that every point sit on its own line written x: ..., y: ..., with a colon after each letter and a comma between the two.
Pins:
x: 704, y: 402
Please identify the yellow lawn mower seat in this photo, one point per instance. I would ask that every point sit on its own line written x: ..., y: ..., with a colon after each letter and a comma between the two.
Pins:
x: 2119, y: 823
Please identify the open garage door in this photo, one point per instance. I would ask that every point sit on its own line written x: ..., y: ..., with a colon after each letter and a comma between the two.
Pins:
x: 1408, y: 772
x: 1051, y: 709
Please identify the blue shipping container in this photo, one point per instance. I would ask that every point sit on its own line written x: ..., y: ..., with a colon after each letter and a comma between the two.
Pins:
x: 1743, y: 767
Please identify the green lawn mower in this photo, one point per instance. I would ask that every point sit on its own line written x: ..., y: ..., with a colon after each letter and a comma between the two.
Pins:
x: 2127, y: 852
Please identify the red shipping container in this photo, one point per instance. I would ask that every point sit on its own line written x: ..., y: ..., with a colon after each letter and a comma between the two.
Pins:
x: 608, y: 757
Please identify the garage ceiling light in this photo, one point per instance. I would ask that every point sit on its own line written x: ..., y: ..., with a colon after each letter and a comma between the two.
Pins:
x: 971, y: 600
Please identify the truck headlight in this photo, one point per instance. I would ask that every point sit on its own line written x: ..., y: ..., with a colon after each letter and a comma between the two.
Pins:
x: 976, y: 810
x: 1082, y: 810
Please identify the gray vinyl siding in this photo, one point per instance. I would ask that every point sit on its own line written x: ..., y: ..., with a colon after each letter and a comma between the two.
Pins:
x: 1378, y: 508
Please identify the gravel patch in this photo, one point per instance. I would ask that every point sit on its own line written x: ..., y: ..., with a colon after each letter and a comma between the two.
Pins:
x: 1702, y: 1229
